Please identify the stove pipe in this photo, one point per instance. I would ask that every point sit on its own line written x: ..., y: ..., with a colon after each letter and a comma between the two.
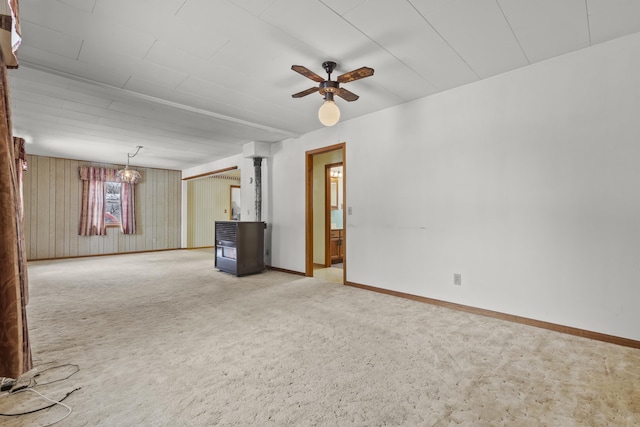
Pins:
x: 257, y: 167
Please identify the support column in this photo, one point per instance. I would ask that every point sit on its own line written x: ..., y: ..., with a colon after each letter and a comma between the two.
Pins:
x: 257, y: 167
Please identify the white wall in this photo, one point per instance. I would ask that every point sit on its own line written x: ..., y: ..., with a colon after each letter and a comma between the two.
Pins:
x: 527, y: 184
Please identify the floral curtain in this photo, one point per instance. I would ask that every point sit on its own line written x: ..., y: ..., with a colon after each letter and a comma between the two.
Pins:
x: 10, y: 38
x: 21, y: 166
x: 128, y: 220
x: 15, y: 352
x: 92, y: 221
x: 92, y: 208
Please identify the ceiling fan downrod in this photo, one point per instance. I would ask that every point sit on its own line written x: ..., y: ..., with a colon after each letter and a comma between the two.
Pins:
x: 329, y: 66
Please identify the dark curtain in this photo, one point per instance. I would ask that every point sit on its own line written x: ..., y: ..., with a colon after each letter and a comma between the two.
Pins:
x: 15, y: 353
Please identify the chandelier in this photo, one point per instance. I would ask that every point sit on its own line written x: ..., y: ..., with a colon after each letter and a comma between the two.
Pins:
x: 129, y: 175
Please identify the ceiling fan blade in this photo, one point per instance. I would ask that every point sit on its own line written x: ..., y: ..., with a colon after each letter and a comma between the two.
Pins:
x: 345, y: 94
x: 307, y: 73
x: 305, y: 92
x: 360, y: 73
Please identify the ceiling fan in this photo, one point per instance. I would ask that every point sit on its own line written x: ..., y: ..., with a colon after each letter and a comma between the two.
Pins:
x: 329, y: 114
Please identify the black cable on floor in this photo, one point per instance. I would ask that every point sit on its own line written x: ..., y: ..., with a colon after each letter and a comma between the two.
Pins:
x: 33, y: 383
x: 59, y: 379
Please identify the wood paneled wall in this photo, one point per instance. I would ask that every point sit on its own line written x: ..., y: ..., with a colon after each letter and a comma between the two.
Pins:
x: 208, y: 200
x: 52, y: 193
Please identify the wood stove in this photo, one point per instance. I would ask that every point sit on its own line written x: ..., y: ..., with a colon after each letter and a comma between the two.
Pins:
x: 240, y: 247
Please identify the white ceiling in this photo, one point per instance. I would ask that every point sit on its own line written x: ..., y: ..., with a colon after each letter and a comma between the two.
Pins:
x: 194, y: 80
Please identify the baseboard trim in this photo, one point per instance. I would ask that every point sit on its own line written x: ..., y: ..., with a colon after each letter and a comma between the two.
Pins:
x: 109, y: 254
x: 612, y: 339
x: 284, y: 270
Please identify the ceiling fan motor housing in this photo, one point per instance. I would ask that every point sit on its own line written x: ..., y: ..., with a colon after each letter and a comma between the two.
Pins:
x: 329, y: 66
x: 328, y: 86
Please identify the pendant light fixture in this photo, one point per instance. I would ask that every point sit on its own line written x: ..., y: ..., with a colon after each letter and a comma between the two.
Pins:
x: 129, y: 175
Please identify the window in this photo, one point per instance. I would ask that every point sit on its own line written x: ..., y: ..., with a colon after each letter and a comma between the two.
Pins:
x: 106, y: 202
x: 112, y: 204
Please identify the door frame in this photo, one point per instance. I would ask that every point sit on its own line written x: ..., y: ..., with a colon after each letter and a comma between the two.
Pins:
x: 309, y: 204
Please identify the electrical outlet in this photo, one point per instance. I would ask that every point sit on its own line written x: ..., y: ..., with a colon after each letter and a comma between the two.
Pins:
x: 349, y: 211
x: 457, y: 279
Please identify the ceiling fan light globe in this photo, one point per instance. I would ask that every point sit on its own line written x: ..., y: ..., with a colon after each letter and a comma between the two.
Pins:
x: 329, y: 113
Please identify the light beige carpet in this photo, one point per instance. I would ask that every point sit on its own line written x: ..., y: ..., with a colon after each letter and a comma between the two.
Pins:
x: 163, y: 339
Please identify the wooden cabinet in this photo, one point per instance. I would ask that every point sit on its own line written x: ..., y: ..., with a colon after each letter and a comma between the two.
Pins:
x: 336, y: 245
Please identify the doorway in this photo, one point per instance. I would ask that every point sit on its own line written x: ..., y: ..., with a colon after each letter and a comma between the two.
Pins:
x: 333, y: 218
x: 210, y: 198
x: 323, y: 221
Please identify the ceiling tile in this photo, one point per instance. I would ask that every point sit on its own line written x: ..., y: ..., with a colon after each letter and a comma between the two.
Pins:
x: 327, y: 32
x: 84, y: 26
x: 99, y: 55
x: 418, y: 46
x: 152, y: 8
x: 478, y: 32
x: 609, y: 19
x: 547, y: 28
x: 164, y: 25
x: 83, y: 5
x: 225, y: 17
x: 57, y: 16
x: 228, y: 102
x: 37, y: 98
x: 55, y: 113
x: 52, y: 41
x: 210, y: 107
x: 45, y: 60
x: 343, y: 6
x: 119, y: 38
x: 169, y: 56
x: 392, y: 83
x: 21, y: 86
x: 84, y: 99
x: 38, y: 78
x: 255, y: 7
